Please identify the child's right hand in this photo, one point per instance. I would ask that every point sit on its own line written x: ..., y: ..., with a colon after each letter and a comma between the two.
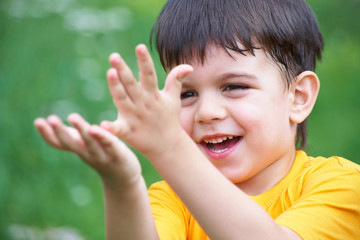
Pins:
x: 117, y: 165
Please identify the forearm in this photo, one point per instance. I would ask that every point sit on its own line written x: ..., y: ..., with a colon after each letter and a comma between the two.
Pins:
x: 128, y: 214
x: 127, y: 209
x: 148, y: 120
x: 222, y: 209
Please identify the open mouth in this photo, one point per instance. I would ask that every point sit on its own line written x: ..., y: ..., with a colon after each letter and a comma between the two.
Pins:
x: 220, y: 145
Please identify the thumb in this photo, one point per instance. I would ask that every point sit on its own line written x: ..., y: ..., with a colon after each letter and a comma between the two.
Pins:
x: 117, y: 127
x: 174, y: 79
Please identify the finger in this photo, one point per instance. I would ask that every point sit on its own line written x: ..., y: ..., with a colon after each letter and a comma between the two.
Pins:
x: 125, y: 75
x: 118, y: 127
x: 68, y: 137
x: 147, y: 73
x: 94, y: 150
x: 47, y: 133
x: 117, y: 91
x: 117, y: 154
x: 174, y: 79
x: 107, y: 140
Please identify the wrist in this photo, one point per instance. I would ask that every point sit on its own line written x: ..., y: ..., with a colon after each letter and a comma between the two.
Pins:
x: 120, y: 182
x: 171, y: 148
x: 120, y: 189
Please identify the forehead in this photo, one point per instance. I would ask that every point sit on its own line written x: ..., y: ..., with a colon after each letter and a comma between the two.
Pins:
x: 220, y: 63
x: 217, y: 56
x: 212, y: 51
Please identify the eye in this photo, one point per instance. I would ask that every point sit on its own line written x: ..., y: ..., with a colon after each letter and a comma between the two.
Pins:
x: 188, y: 94
x: 232, y: 87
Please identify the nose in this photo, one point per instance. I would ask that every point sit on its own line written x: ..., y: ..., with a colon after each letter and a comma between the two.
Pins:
x: 210, y: 109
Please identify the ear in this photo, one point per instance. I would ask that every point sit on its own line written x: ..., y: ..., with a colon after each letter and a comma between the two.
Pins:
x: 305, y: 91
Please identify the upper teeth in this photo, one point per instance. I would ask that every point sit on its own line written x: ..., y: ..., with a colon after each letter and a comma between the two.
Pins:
x: 218, y: 140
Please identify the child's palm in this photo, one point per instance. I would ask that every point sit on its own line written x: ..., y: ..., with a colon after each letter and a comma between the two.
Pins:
x: 110, y: 157
x: 147, y: 116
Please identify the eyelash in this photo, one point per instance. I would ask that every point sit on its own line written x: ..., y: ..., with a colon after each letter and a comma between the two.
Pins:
x: 188, y: 94
x: 230, y: 87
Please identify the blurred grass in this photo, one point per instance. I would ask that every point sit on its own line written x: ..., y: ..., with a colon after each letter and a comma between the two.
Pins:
x: 53, y: 59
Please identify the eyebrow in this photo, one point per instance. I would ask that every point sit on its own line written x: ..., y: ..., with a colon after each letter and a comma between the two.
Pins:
x: 225, y: 76
x: 237, y: 75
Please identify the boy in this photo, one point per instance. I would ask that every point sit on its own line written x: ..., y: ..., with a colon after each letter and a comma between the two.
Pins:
x: 227, y: 147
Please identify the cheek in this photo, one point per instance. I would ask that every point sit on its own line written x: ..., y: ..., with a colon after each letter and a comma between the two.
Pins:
x: 246, y: 115
x: 258, y: 117
x: 186, y: 120
x: 272, y: 119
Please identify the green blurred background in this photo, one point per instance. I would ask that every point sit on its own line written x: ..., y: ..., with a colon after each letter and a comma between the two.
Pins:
x: 53, y: 59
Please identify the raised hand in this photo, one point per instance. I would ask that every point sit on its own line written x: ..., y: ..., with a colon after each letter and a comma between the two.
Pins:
x: 111, y: 158
x: 148, y: 118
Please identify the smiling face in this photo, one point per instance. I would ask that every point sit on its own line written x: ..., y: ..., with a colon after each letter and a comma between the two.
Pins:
x: 237, y: 111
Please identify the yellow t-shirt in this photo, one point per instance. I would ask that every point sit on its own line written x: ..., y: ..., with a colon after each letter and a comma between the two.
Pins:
x: 318, y: 199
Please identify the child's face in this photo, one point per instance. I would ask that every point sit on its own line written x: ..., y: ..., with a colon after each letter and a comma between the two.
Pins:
x: 237, y: 111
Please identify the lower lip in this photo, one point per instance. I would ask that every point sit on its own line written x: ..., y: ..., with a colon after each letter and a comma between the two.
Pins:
x: 221, y: 155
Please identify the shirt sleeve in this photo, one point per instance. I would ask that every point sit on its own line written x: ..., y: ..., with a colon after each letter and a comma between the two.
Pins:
x: 329, y: 206
x: 170, y: 215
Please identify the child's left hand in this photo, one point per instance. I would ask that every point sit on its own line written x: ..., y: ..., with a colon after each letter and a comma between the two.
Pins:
x: 116, y: 164
x: 148, y: 118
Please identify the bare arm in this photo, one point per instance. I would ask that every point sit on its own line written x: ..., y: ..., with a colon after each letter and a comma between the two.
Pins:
x: 222, y: 209
x: 127, y: 210
x: 149, y: 121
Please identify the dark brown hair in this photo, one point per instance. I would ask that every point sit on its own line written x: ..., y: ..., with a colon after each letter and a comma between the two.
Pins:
x: 286, y: 30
